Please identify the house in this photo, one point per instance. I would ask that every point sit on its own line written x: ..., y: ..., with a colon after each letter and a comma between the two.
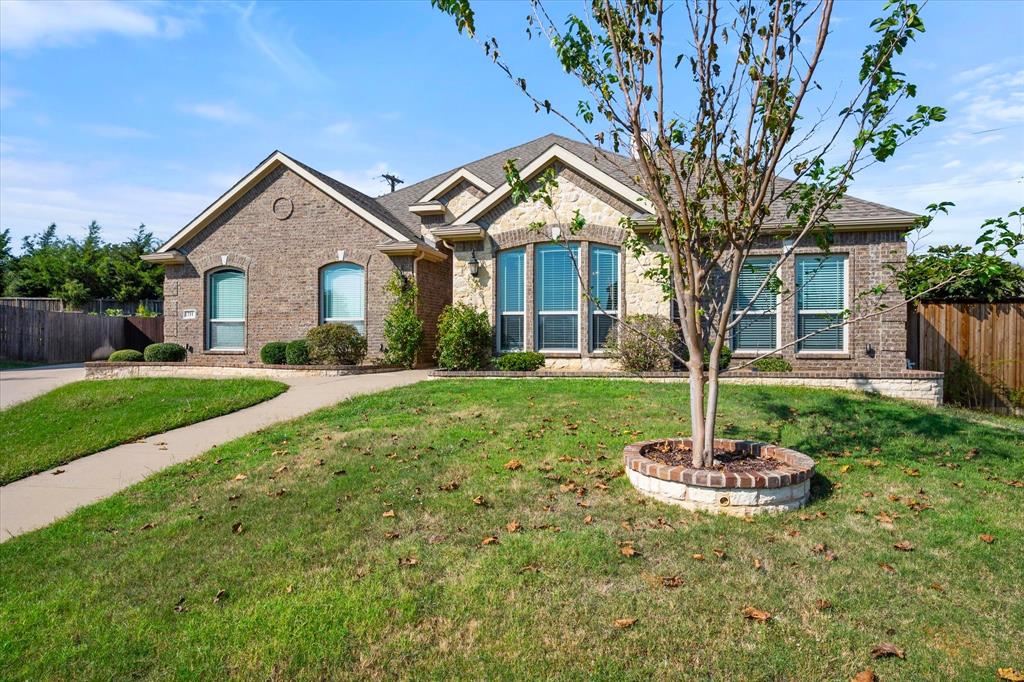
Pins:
x: 288, y: 248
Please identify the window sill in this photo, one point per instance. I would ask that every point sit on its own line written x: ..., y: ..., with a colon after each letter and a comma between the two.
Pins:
x: 560, y: 354
x: 823, y: 355
x: 754, y: 353
x: 223, y: 352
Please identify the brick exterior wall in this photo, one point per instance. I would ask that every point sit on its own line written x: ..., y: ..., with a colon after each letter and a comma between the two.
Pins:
x: 282, y: 259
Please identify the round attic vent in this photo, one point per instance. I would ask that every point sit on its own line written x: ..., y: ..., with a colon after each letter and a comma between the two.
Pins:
x: 282, y: 208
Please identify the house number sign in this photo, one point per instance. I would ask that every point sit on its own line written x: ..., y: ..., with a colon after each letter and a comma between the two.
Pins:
x: 189, y: 314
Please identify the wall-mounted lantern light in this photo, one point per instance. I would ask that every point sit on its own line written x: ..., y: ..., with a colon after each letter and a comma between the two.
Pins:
x: 474, y: 264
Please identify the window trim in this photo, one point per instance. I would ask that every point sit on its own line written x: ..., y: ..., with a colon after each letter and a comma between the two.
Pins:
x: 845, y: 329
x: 322, y: 297
x: 538, y: 313
x: 594, y: 312
x: 778, y: 316
x: 208, y: 342
x: 499, y: 315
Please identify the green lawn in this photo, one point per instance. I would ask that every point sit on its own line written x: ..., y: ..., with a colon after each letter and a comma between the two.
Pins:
x: 88, y: 416
x: 346, y: 551
x: 18, y: 364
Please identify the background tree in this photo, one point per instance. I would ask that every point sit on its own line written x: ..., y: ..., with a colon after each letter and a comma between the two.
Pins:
x: 924, y: 274
x: 711, y: 172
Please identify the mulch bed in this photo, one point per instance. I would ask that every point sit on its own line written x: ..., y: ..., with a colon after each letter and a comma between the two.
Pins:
x: 674, y: 453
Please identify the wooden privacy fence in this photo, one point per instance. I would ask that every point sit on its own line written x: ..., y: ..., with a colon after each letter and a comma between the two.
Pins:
x: 49, y: 337
x: 980, y: 347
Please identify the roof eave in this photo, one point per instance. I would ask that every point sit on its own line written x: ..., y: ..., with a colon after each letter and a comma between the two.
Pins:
x: 459, y: 233
x: 412, y: 249
x: 172, y: 257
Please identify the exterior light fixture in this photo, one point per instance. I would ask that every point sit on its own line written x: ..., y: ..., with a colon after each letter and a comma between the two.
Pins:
x: 474, y: 264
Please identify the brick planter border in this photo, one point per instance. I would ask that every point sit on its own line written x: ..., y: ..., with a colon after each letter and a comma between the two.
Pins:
x: 783, y: 488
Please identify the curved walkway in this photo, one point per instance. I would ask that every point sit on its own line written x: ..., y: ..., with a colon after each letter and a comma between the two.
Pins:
x: 18, y: 385
x: 41, y: 499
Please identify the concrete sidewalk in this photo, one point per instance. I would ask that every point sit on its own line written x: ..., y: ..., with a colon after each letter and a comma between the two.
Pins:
x: 17, y: 385
x: 41, y: 499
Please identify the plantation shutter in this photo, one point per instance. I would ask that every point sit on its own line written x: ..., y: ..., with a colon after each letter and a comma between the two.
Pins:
x: 227, y: 310
x: 758, y: 328
x: 821, y: 298
x: 344, y: 295
x: 511, y: 286
x: 557, y: 297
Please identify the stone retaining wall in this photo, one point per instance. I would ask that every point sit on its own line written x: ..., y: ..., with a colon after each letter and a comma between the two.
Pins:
x: 126, y: 370
x: 917, y: 386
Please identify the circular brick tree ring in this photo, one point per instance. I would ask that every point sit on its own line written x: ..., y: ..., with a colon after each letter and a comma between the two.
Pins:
x: 784, y: 487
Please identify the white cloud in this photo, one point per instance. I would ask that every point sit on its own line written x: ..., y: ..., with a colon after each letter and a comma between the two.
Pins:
x: 952, y: 164
x: 46, y: 23
x: 214, y: 111
x: 114, y: 132
x: 339, y: 128
x: 367, y: 181
x: 279, y: 47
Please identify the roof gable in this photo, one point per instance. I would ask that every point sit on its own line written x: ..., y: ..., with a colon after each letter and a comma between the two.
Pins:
x: 454, y: 179
x: 360, y: 204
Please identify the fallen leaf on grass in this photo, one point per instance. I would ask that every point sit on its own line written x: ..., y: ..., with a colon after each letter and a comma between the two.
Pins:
x: 240, y: 477
x: 588, y: 519
x: 600, y: 486
x: 882, y: 517
x: 756, y: 614
x: 1009, y: 674
x: 628, y: 551
x: 180, y: 606
x: 903, y: 546
x: 221, y: 595
x: 490, y: 540
x: 408, y: 561
x: 449, y: 486
x: 888, y: 568
x: 289, y: 589
x: 888, y: 649
x: 823, y: 604
x: 845, y: 468
x: 479, y: 500
x: 671, y: 581
x: 623, y: 623
x: 937, y: 587
x: 867, y: 675
x: 237, y: 528
x: 987, y: 539
x: 392, y: 535
x: 758, y: 565
x: 389, y: 514
x: 698, y: 557
x: 281, y: 469
x: 513, y: 464
x: 720, y: 553
x: 148, y: 526
x: 513, y: 526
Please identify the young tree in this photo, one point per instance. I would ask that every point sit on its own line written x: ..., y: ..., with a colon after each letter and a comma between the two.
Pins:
x: 711, y: 173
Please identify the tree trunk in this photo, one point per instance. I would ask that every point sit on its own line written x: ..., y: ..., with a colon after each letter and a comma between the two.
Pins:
x: 696, y: 410
x: 710, y: 411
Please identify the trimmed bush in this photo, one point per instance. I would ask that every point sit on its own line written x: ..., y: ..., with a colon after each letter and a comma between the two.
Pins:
x: 164, y: 352
x: 642, y: 343
x: 297, y: 352
x: 724, y: 358
x: 772, y: 364
x: 464, y: 338
x: 403, y: 329
x: 273, y: 353
x: 336, y: 344
x: 127, y: 355
x: 520, y: 362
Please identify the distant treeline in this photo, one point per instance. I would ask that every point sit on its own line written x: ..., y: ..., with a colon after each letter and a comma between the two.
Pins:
x: 77, y: 271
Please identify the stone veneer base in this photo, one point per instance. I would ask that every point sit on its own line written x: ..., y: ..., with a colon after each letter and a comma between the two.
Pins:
x: 784, y: 488
x: 915, y: 385
x: 126, y: 370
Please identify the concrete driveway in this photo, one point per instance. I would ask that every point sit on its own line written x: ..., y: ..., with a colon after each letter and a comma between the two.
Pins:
x: 17, y: 385
x: 41, y: 499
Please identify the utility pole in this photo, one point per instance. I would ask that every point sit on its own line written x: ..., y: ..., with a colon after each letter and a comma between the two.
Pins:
x: 392, y: 180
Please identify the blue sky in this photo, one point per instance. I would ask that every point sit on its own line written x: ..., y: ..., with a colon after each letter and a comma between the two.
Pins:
x: 129, y: 113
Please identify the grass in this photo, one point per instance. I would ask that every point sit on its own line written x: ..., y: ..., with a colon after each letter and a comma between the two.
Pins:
x: 88, y: 416
x: 318, y: 579
x: 18, y: 364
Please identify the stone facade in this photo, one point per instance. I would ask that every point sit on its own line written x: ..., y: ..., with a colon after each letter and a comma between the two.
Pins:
x: 282, y: 254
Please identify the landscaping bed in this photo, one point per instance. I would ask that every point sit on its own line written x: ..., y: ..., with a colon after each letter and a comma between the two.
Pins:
x: 88, y: 416
x: 486, y: 530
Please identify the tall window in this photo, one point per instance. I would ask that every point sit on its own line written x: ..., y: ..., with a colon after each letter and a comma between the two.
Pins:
x: 821, y: 299
x: 604, y: 290
x: 511, y: 299
x: 758, y: 330
x: 225, y: 310
x: 343, y: 295
x: 557, y: 297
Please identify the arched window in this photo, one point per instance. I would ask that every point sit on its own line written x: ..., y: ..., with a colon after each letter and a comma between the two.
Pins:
x: 343, y: 295
x: 225, y: 310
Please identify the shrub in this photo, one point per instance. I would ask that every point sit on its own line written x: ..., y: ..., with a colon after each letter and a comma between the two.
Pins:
x: 520, y: 362
x: 164, y: 352
x: 336, y: 344
x: 403, y: 329
x: 772, y: 364
x: 724, y: 358
x: 127, y: 355
x: 273, y: 353
x: 641, y: 343
x: 297, y: 352
x: 464, y: 338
